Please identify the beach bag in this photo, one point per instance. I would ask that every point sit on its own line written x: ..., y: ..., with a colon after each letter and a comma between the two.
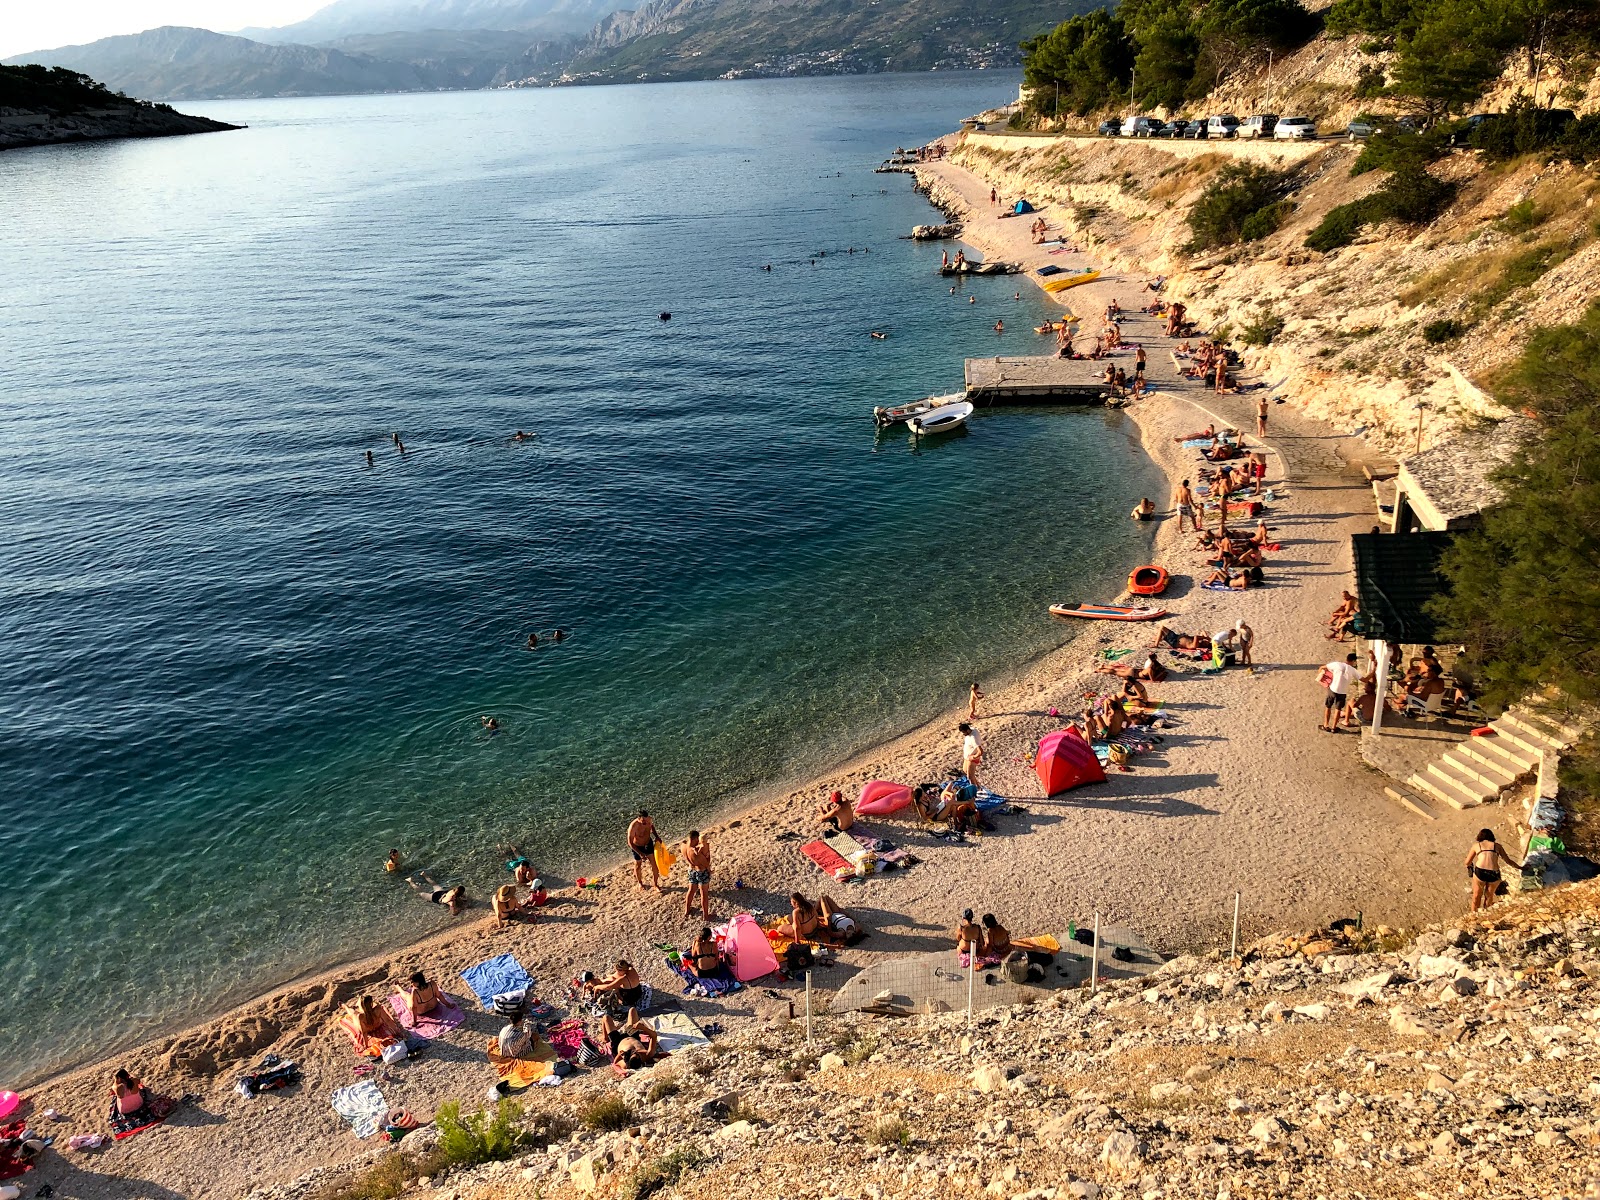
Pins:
x: 797, y: 958
x: 589, y: 1055
x: 1015, y: 967
x: 1118, y: 754
x: 394, y: 1053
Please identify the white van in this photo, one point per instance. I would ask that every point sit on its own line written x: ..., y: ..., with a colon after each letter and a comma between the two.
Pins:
x: 1222, y: 125
x: 1258, y: 126
x: 1139, y: 126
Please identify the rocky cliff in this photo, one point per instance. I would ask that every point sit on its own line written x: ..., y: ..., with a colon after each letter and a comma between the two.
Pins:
x: 40, y: 107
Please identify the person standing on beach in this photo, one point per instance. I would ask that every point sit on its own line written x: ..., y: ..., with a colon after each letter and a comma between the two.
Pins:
x: 1138, y: 362
x: 1258, y: 469
x: 1244, y: 639
x: 971, y: 751
x: 994, y: 197
x: 642, y: 840
x: 974, y: 694
x: 1187, y: 507
x: 1340, y: 676
x: 1483, y: 868
x: 1261, y: 416
x: 697, y: 852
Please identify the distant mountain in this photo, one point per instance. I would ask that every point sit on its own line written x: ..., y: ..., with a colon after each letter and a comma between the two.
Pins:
x: 358, y: 18
x: 175, y: 63
x: 701, y: 39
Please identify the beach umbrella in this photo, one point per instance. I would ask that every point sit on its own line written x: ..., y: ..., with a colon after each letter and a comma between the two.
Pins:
x: 1066, y: 761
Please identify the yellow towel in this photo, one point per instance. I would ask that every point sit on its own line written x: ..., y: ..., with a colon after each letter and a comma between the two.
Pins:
x: 522, y: 1072
x: 1042, y: 942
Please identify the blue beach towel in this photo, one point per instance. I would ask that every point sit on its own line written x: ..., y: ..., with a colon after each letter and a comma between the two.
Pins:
x: 695, y: 986
x: 488, y: 979
x: 988, y: 801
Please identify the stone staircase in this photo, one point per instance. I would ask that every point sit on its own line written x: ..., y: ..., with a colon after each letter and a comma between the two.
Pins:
x: 1478, y: 769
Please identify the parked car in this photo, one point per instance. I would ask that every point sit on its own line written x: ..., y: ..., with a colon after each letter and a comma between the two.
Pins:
x: 1174, y: 129
x: 1258, y: 126
x: 1223, y: 125
x: 1139, y: 126
x: 1291, y: 129
x: 1196, y: 129
x: 1361, y: 128
x: 1110, y: 128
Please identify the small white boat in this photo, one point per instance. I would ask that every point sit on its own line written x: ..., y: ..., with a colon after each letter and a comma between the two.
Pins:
x: 917, y: 408
x: 940, y: 420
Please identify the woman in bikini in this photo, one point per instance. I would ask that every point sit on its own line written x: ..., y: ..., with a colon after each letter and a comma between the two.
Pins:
x: 623, y: 983
x: 703, y: 959
x: 969, y: 935
x: 420, y: 996
x: 453, y: 898
x: 505, y: 904
x: 376, y: 1024
x: 128, y: 1092
x: 1483, y: 868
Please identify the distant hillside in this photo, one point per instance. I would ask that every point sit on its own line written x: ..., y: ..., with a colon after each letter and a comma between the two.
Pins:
x: 702, y: 39
x: 41, y: 106
x: 176, y: 63
x: 359, y: 18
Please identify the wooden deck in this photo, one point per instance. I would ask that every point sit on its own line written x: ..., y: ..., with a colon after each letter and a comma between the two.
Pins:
x: 1040, y: 379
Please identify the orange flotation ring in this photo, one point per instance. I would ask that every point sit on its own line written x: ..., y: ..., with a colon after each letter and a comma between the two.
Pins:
x: 1147, y: 581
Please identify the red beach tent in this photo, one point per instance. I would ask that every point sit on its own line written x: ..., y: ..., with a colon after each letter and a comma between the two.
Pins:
x: 1066, y: 761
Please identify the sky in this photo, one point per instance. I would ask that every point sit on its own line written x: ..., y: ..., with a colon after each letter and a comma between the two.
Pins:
x: 46, y: 24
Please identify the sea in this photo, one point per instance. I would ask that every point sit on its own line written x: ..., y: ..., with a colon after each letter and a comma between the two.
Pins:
x: 239, y: 662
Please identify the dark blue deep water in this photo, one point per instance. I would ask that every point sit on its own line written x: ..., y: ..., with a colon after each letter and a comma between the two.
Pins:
x: 237, y: 664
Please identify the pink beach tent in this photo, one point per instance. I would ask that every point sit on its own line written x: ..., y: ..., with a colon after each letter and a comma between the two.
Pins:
x: 1066, y: 761
x: 9, y: 1102
x: 880, y: 798
x: 749, y: 953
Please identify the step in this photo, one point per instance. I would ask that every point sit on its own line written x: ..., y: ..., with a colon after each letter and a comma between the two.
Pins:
x: 1544, y: 736
x: 1529, y: 743
x: 1452, y: 771
x: 1448, y: 792
x: 1416, y: 805
x: 1489, y: 766
x: 1560, y: 735
x: 1496, y: 751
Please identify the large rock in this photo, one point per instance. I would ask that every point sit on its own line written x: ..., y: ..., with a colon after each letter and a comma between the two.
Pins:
x: 1268, y: 1130
x: 1121, y: 1154
x: 1407, y: 1024
x: 988, y: 1079
x: 829, y: 1062
x: 1372, y: 985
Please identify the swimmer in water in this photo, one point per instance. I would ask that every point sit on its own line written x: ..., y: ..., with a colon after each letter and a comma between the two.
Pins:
x: 999, y: 326
x: 972, y: 299
x: 392, y: 863
x: 878, y: 334
x: 559, y: 635
x: 369, y: 458
x: 533, y: 641
x: 519, y: 436
x: 490, y: 724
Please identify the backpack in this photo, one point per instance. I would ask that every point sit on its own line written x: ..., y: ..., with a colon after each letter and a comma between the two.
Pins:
x: 797, y: 958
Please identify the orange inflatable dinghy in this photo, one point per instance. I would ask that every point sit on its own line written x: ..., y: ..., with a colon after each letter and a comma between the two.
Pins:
x: 1147, y: 581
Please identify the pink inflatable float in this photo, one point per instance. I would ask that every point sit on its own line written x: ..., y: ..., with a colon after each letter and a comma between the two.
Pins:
x: 9, y: 1101
x: 880, y: 798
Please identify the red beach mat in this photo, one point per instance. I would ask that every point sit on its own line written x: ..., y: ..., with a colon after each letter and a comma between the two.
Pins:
x: 828, y: 859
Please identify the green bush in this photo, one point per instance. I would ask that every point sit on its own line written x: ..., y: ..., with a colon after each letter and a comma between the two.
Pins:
x: 889, y: 1131
x: 1339, y: 227
x: 1521, y: 129
x: 1521, y: 217
x: 1265, y: 222
x: 1411, y: 195
x: 1370, y: 83
x: 482, y: 1137
x: 609, y: 1112
x: 1239, y: 192
x: 1260, y: 332
x: 1444, y: 330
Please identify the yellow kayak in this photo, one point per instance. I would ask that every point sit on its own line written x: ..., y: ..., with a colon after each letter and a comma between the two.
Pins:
x: 1060, y: 283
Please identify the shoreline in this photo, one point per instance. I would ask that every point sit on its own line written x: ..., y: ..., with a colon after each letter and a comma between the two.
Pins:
x: 1156, y: 850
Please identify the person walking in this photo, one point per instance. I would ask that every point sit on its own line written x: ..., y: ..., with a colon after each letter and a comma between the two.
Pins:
x: 974, y: 694
x: 1338, y: 677
x: 971, y: 751
x: 1261, y: 416
x: 1187, y: 507
x: 1483, y: 868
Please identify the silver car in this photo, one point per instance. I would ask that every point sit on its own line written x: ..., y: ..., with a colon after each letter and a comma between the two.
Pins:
x: 1290, y: 129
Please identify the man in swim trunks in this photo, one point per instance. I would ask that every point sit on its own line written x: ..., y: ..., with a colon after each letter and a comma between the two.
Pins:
x: 453, y: 898
x: 642, y: 840
x: 624, y: 985
x: 1261, y: 416
x: 837, y: 812
x: 697, y: 853
x: 1341, y: 675
x: 1173, y: 640
x: 1187, y: 507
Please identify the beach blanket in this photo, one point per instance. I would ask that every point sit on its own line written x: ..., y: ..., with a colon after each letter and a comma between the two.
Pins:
x: 363, y: 1105
x: 1223, y: 587
x: 988, y: 801
x: 366, y: 1045
x: 719, y: 984
x: 435, y: 1024
x: 12, y: 1164
x: 828, y: 860
x: 677, y: 1031
x: 488, y: 979
x: 524, y: 1072
x: 566, y: 1037
x: 871, y: 839
x: 1115, y: 655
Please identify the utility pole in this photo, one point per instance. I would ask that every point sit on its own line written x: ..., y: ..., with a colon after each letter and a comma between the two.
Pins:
x: 1269, y: 81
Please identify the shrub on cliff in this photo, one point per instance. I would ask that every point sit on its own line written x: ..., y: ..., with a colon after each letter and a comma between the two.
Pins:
x: 1338, y: 228
x: 1242, y: 203
x: 1524, y: 593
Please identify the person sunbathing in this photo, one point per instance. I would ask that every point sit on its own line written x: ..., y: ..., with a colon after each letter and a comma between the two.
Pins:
x: 1171, y: 639
x: 1236, y: 580
x: 634, y: 1043
x: 1114, y: 719
x: 1346, y: 607
x: 623, y: 985
x: 704, y: 959
x: 420, y: 995
x: 810, y: 922
x: 948, y: 808
x: 1261, y: 537
x: 969, y: 934
x: 996, y: 941
x: 1151, y: 670
x: 128, y: 1092
x: 837, y: 812
x: 1207, y: 434
x: 505, y: 904
x: 377, y: 1024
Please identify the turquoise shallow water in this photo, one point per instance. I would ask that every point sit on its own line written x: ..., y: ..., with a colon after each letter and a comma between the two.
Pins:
x: 236, y: 664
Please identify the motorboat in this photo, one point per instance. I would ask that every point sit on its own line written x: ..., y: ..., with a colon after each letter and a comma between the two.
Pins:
x: 944, y: 419
x: 917, y: 408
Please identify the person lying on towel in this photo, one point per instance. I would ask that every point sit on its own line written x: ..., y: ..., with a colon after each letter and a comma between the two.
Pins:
x: 634, y: 1043
x: 823, y: 921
